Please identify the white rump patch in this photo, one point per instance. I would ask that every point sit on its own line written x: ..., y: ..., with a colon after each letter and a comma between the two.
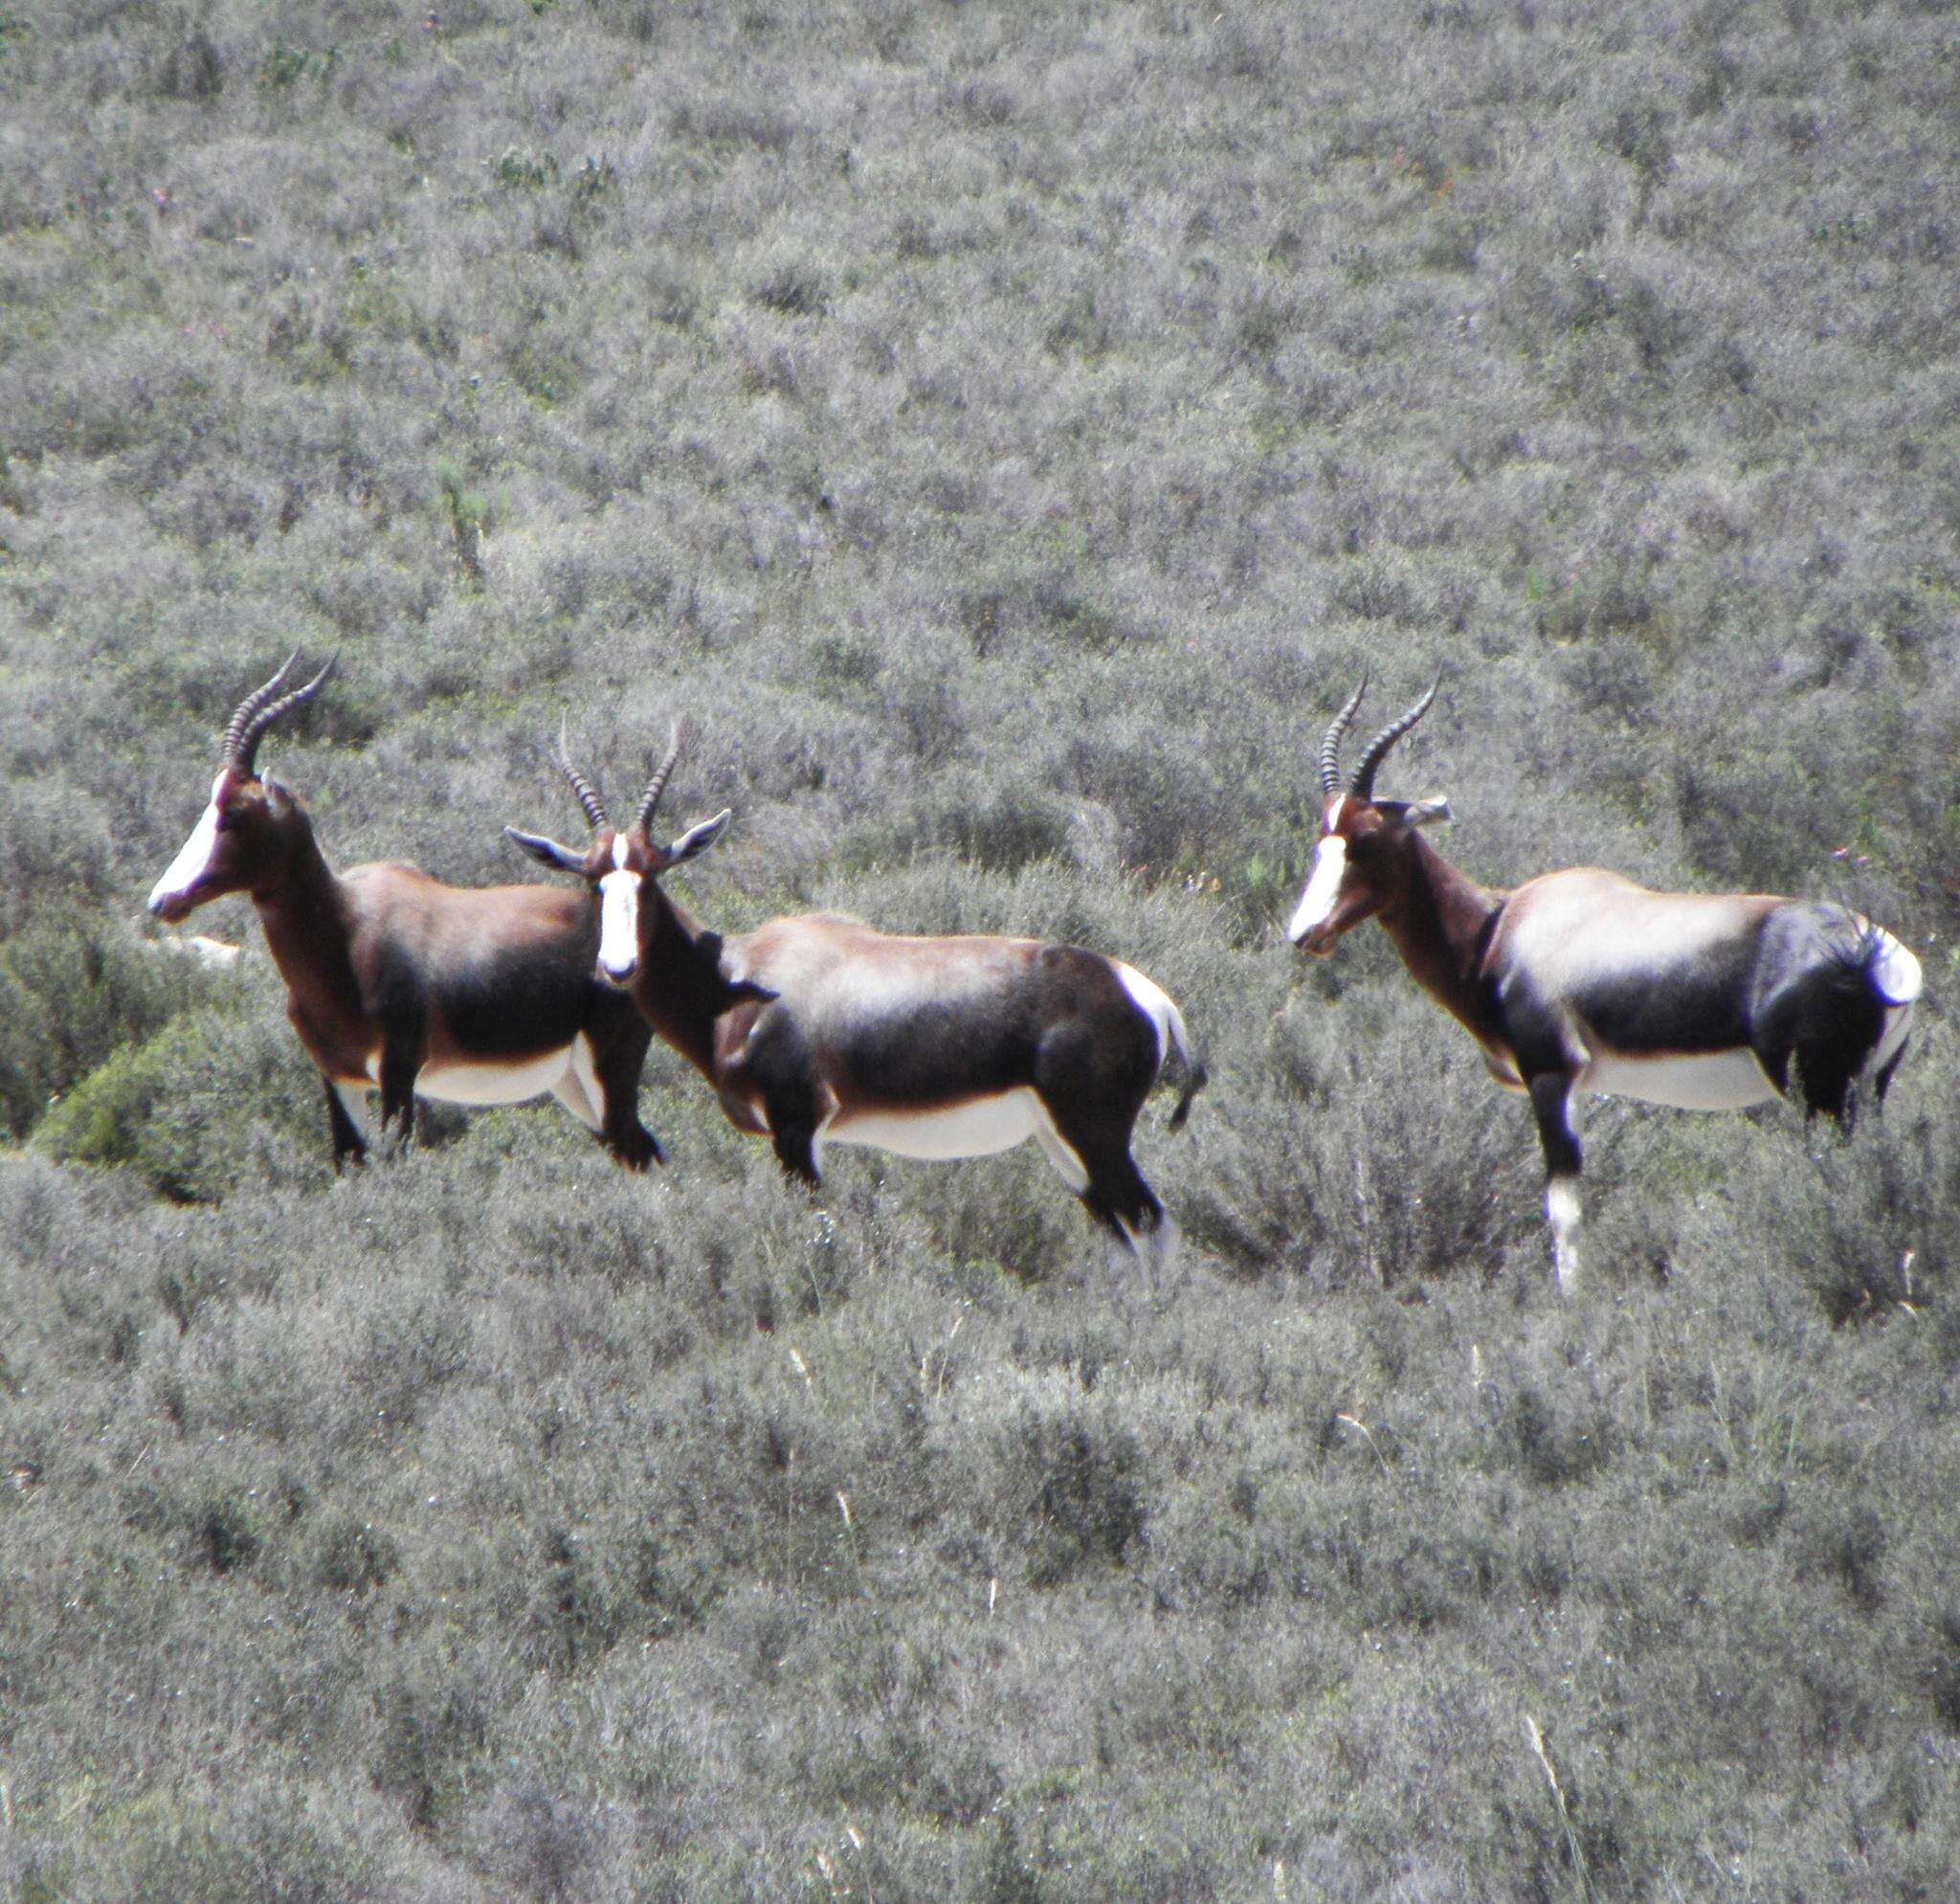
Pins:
x: 618, y: 920
x: 1689, y: 1081
x: 193, y: 857
x: 1895, y: 971
x: 1322, y: 887
x: 1897, y: 978
x: 1155, y: 1003
x: 978, y: 1128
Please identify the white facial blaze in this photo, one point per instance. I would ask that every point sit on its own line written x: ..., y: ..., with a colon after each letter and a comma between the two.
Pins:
x: 1322, y: 887
x: 195, y: 856
x: 619, y: 924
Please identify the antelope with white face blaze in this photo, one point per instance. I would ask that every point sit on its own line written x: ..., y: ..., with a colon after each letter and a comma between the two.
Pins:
x: 397, y: 983
x: 1580, y: 979
x: 816, y: 1029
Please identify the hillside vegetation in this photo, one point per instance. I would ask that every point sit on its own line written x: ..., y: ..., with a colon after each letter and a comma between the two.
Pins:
x: 1005, y: 432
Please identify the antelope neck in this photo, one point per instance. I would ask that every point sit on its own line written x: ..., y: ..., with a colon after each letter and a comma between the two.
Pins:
x: 1440, y: 922
x: 304, y: 914
x: 680, y: 986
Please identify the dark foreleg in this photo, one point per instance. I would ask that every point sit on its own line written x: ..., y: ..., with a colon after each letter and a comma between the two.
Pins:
x: 1551, y: 1101
x: 348, y: 1140
x: 618, y: 1070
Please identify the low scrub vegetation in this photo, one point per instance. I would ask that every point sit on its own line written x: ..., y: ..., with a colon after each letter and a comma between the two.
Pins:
x: 1005, y: 433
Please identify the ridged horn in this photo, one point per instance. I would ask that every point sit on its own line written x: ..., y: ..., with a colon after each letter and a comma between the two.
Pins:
x: 657, y: 785
x: 587, y: 794
x: 244, y: 749
x: 235, y: 728
x: 1330, y: 741
x: 1376, y: 751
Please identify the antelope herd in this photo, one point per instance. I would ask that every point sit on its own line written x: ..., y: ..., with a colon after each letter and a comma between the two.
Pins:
x: 817, y: 1029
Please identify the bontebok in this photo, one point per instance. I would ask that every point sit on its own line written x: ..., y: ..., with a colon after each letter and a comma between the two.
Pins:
x: 817, y: 1030
x: 1580, y: 979
x: 395, y: 982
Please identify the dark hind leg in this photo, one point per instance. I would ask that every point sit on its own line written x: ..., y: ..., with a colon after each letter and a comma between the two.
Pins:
x: 1120, y: 1199
x: 1828, y: 1063
x: 1882, y: 1082
x: 348, y: 1140
x: 1093, y: 1160
x: 1830, y: 1028
x: 1092, y: 1081
x: 1827, y: 1070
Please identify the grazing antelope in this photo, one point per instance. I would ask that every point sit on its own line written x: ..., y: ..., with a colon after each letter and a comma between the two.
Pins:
x: 817, y: 1029
x: 1581, y: 979
x: 396, y: 982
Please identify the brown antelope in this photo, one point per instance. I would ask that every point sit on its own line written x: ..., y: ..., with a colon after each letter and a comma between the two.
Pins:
x: 817, y: 1029
x: 396, y: 982
x: 1581, y: 979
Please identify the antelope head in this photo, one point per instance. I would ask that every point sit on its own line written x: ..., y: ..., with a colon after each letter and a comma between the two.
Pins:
x: 1360, y: 860
x: 621, y: 863
x: 239, y: 841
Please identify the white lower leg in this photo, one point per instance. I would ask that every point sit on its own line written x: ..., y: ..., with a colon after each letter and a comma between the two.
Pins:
x: 1562, y: 1207
x: 1157, y: 1246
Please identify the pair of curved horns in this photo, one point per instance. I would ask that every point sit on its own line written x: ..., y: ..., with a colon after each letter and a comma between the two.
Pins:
x: 259, y: 709
x: 589, y: 795
x: 1362, y: 786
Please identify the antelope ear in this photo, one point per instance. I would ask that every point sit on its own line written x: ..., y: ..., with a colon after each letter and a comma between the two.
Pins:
x: 1427, y: 813
x: 699, y: 839
x: 548, y: 852
x: 278, y: 797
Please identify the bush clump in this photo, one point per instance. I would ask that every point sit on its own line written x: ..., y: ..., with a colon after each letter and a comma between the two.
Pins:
x: 209, y: 1102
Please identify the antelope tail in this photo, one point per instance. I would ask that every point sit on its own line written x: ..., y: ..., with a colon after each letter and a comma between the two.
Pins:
x: 1195, y: 1076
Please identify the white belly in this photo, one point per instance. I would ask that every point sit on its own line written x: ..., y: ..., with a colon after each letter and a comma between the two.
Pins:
x: 975, y: 1129
x: 505, y: 1082
x: 1696, y: 1080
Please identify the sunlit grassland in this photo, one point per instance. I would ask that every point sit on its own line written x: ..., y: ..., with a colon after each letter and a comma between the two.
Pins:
x: 1004, y: 433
